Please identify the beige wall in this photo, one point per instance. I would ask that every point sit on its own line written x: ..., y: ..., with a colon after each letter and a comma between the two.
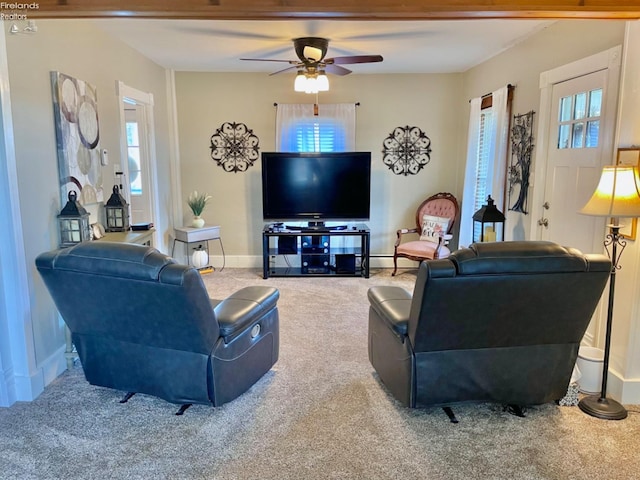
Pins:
x: 206, y: 100
x: 77, y: 49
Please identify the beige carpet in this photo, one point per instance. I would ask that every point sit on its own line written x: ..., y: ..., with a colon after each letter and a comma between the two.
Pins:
x: 319, y: 414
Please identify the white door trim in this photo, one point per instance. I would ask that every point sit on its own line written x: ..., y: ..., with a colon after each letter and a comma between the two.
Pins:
x: 609, y: 60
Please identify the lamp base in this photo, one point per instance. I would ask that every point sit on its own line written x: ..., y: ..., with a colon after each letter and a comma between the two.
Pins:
x: 604, y: 408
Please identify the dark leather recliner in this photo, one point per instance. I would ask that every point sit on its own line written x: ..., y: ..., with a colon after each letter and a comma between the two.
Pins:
x: 142, y: 323
x: 496, y: 322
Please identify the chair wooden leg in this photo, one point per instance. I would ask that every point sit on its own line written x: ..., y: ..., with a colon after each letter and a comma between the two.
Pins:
x: 395, y: 265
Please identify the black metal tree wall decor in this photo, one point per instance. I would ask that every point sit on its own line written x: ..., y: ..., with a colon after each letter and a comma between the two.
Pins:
x: 234, y: 147
x: 406, y: 150
x: 520, y: 167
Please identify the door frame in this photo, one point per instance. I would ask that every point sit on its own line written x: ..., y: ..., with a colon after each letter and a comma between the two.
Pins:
x: 609, y: 60
x: 145, y: 100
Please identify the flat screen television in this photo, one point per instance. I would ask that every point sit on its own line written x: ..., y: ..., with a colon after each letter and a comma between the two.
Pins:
x: 316, y: 187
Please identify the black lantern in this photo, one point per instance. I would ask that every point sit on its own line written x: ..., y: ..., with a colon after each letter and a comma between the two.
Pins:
x: 485, y: 221
x: 73, y: 222
x: 117, y: 212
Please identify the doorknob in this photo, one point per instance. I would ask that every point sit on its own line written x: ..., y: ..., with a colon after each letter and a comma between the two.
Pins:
x: 545, y: 205
x: 544, y: 222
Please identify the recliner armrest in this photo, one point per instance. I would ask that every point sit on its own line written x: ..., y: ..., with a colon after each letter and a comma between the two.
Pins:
x: 393, y: 305
x: 240, y: 310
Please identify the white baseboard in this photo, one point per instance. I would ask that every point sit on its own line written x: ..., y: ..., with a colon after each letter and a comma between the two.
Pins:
x: 255, y: 261
x: 28, y: 388
x: 7, y: 388
x: 625, y: 391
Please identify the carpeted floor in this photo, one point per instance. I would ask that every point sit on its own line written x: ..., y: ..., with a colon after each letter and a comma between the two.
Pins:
x: 319, y: 414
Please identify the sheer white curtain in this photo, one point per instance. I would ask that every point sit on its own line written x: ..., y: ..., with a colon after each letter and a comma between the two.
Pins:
x: 333, y: 129
x: 496, y: 150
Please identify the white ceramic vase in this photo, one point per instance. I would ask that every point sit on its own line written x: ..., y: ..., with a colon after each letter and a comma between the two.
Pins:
x: 197, y: 222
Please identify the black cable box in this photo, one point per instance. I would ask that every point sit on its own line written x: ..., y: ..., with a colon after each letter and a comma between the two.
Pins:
x: 141, y: 226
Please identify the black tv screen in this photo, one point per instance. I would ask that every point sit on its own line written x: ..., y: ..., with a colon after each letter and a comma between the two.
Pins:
x: 316, y: 186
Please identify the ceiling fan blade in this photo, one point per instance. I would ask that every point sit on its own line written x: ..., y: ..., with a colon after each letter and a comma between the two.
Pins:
x: 284, y: 70
x: 336, y: 69
x: 292, y: 62
x: 354, y: 59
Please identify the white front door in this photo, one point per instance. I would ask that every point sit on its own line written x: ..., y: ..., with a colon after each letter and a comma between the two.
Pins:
x: 574, y: 162
x: 575, y: 140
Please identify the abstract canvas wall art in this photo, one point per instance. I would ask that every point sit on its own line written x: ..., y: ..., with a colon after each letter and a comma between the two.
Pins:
x: 75, y: 105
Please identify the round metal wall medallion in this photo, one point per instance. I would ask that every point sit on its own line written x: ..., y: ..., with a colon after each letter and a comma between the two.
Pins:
x: 234, y: 147
x: 406, y: 150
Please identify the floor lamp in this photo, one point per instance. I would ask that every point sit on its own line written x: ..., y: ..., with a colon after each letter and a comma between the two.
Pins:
x: 617, y: 196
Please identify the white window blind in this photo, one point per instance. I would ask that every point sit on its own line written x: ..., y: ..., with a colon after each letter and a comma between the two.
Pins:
x: 321, y: 135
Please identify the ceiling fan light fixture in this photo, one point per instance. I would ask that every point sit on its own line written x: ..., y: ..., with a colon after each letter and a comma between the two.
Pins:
x: 323, y: 82
x: 311, y: 85
x: 300, y: 83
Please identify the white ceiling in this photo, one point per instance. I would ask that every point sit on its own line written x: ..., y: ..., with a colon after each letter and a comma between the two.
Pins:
x: 407, y: 46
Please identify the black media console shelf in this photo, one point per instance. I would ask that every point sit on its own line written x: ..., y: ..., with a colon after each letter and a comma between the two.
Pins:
x: 292, y: 251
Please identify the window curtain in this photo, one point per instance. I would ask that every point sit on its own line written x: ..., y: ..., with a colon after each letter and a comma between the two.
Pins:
x: 497, y: 167
x: 333, y: 129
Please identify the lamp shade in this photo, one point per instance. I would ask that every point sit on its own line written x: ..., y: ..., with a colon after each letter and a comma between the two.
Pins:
x: 617, y: 194
x: 323, y: 82
x: 300, y: 82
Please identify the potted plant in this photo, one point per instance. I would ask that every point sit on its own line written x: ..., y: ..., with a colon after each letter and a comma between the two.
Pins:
x: 197, y: 202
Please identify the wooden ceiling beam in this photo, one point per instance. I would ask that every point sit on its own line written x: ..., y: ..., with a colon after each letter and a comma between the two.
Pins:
x: 328, y: 9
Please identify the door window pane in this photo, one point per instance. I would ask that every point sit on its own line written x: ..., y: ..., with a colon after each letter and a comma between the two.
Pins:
x: 133, y: 150
x: 593, y: 131
x: 580, y: 106
x: 595, y: 102
x: 565, y: 109
x: 134, y: 171
x: 578, y: 132
x: 563, y: 138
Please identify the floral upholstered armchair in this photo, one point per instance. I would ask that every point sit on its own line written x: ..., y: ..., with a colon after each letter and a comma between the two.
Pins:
x: 435, y: 218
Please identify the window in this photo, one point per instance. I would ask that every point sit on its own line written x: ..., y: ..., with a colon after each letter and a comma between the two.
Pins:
x: 485, y: 173
x: 298, y: 129
x: 579, y: 120
x: 133, y: 152
x: 484, y: 160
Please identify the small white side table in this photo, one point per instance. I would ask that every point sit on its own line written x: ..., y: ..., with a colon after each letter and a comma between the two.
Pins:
x: 189, y: 235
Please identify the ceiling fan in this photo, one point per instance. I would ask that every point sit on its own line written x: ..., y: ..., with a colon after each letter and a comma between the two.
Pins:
x: 311, y: 53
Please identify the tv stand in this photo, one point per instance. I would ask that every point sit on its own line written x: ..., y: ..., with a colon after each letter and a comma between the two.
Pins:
x: 315, y: 250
